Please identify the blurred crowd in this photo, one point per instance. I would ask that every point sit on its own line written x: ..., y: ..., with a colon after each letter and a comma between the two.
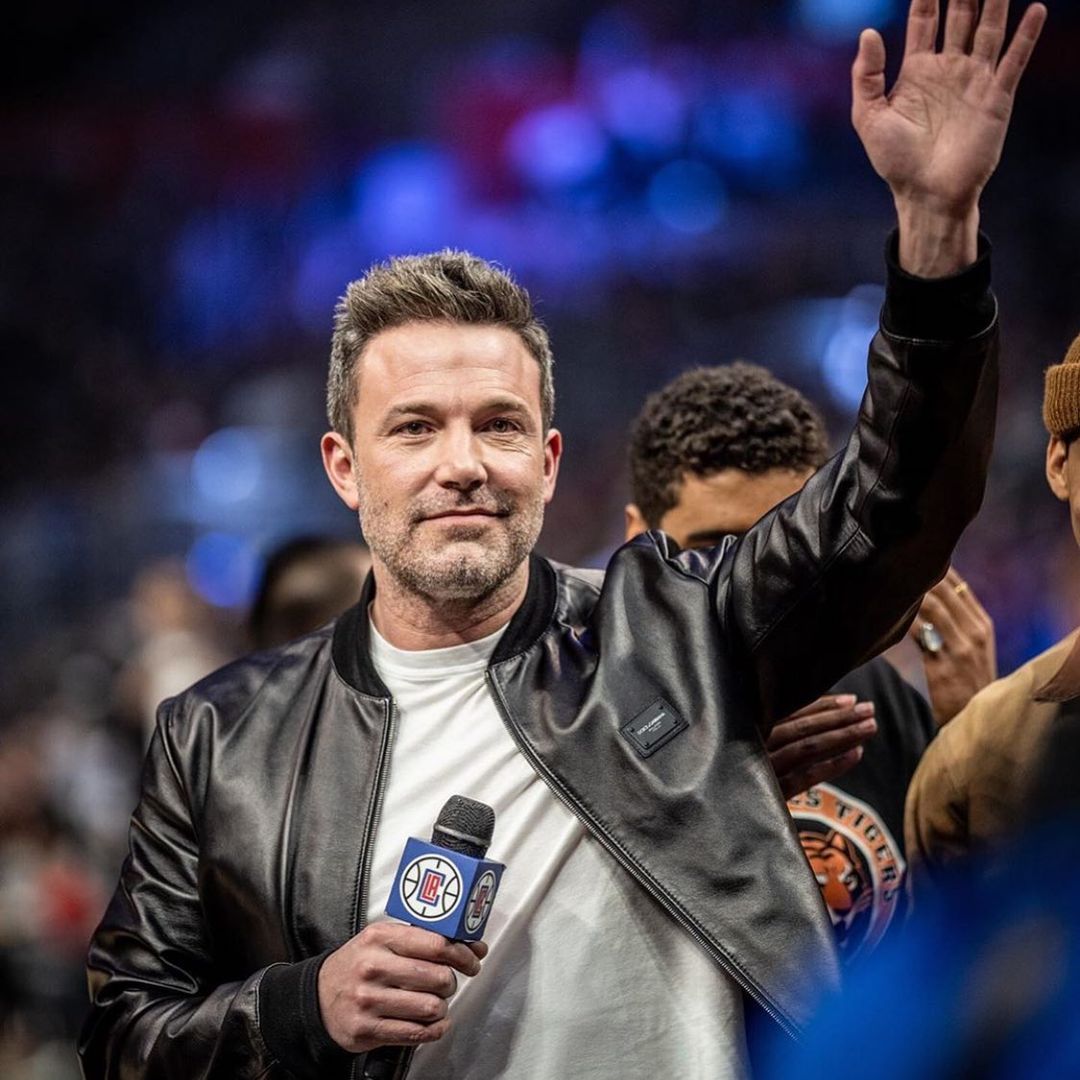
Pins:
x: 69, y: 770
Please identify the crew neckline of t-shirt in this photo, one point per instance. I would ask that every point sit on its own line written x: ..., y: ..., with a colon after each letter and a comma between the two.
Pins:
x: 432, y: 663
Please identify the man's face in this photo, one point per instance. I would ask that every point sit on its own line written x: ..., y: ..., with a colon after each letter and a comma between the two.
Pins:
x: 449, y: 467
x: 1063, y: 475
x: 711, y: 507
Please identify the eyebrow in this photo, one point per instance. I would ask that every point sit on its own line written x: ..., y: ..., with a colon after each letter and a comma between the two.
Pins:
x: 426, y: 408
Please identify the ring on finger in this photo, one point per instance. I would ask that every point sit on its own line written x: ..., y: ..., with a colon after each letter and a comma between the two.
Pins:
x: 961, y: 588
x: 929, y: 638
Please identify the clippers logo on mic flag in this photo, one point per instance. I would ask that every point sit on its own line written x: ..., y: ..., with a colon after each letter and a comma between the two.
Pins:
x: 445, y: 891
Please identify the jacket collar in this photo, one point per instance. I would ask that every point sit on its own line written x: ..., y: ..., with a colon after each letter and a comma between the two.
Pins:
x: 1064, y: 685
x: 351, y: 648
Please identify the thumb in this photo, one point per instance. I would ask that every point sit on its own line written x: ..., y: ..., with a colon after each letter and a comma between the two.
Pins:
x: 868, y: 73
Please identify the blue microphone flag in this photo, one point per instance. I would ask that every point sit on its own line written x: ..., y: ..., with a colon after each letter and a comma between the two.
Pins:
x: 444, y: 891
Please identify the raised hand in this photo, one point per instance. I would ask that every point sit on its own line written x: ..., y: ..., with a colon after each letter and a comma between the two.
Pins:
x: 936, y: 137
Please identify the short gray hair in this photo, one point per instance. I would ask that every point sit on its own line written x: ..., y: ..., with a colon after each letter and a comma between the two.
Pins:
x: 444, y: 286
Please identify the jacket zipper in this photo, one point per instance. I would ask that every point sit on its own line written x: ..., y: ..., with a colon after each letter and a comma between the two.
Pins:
x: 385, y: 746
x: 614, y: 849
x: 381, y: 772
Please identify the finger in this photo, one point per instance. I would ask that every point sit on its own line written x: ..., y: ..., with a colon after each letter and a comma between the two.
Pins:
x: 945, y: 592
x: 421, y: 976
x: 823, y: 704
x: 990, y: 33
x: 1016, y: 57
x: 417, y: 944
x: 868, y: 72
x: 976, y: 625
x: 820, y: 773
x: 959, y: 21
x: 966, y: 596
x: 479, y: 948
x: 933, y: 610
x: 407, y: 1033
x: 408, y: 1005
x: 965, y: 606
x: 921, y: 27
x: 805, y: 727
x: 816, y: 748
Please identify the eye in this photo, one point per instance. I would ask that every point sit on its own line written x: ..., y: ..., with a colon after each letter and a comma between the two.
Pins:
x: 412, y: 427
x: 503, y: 425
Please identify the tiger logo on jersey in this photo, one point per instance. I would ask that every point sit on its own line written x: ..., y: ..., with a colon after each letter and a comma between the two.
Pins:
x: 856, y: 861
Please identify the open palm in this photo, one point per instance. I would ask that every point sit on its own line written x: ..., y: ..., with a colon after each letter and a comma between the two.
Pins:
x: 937, y: 136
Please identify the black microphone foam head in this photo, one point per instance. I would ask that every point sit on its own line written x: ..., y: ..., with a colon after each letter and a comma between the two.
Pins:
x: 464, y: 826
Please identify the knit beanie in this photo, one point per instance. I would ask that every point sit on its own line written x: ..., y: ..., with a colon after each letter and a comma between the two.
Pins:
x: 1061, y: 403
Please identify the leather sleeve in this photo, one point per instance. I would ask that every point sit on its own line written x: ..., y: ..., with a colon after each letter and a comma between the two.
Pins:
x: 835, y: 574
x: 159, y: 1007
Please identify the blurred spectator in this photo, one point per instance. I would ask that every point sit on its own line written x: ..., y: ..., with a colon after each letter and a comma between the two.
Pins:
x: 177, y: 640
x: 976, y: 781
x: 50, y: 899
x: 68, y: 775
x: 307, y: 582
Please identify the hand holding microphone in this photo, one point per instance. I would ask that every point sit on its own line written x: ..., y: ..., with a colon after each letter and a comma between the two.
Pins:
x: 390, y: 984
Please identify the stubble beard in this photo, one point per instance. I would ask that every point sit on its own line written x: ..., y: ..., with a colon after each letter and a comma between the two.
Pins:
x: 472, y: 563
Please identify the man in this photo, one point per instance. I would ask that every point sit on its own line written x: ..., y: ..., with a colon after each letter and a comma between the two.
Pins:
x: 983, y: 777
x: 653, y: 875
x: 711, y: 453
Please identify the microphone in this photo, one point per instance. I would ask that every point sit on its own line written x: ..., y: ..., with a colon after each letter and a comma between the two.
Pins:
x: 446, y: 886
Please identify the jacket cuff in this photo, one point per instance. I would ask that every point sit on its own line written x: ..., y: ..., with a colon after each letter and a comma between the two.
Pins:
x: 291, y: 1023
x: 953, y: 308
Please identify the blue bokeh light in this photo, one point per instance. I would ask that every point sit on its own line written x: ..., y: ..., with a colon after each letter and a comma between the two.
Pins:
x: 216, y: 261
x: 757, y: 135
x: 406, y: 198
x: 557, y: 146
x: 644, y: 109
x: 223, y: 569
x: 229, y: 466
x: 843, y: 361
x: 687, y: 196
x: 839, y: 19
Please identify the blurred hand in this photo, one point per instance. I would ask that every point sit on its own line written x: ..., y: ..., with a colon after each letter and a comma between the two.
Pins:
x: 819, y: 742
x: 967, y: 660
x: 390, y: 985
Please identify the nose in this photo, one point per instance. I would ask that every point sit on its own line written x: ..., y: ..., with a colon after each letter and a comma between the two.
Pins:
x: 461, y: 466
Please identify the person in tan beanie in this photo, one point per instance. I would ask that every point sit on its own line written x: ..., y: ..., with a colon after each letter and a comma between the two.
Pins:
x: 979, y: 781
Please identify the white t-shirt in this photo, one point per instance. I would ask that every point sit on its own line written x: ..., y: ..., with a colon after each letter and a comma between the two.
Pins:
x: 587, y: 978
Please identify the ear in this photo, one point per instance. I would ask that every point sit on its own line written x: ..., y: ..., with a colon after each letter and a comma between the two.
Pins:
x: 635, y: 521
x: 338, y: 462
x: 553, y: 448
x: 1057, y: 458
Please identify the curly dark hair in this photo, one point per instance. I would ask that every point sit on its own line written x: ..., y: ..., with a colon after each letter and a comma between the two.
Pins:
x: 711, y: 418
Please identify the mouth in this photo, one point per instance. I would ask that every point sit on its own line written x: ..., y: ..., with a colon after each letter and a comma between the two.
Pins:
x: 463, y: 516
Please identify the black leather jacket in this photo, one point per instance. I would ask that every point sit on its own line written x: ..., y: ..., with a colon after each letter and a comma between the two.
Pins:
x: 250, y: 845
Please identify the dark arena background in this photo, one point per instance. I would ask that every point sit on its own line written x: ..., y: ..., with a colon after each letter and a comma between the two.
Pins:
x: 186, y: 189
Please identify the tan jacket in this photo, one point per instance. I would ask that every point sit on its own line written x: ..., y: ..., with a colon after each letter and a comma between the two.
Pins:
x: 971, y: 786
